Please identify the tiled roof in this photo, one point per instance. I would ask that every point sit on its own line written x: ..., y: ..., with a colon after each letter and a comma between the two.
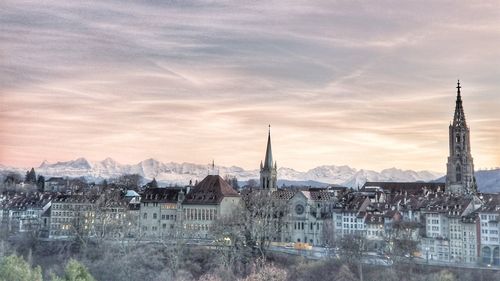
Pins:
x: 409, y: 187
x: 322, y: 196
x: 453, y: 206
x: 23, y: 201
x: 160, y: 195
x: 75, y: 199
x: 211, y: 190
x: 491, y: 205
x: 284, y: 194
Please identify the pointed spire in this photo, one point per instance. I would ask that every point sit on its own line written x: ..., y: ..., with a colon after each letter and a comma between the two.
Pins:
x: 268, y: 161
x: 459, y: 117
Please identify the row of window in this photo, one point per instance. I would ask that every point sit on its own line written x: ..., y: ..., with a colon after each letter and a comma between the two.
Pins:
x: 71, y: 206
x: 200, y: 214
x: 71, y: 214
x: 300, y: 226
x: 163, y: 216
x: 353, y: 226
x: 155, y: 228
x: 353, y: 220
x: 489, y: 217
x: 169, y: 206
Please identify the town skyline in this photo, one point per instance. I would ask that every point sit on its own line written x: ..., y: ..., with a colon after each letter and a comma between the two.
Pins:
x: 368, y: 85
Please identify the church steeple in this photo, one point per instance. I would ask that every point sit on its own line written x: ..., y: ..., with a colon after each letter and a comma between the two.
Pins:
x: 268, y: 171
x: 460, y: 167
x: 268, y: 162
x: 459, y: 117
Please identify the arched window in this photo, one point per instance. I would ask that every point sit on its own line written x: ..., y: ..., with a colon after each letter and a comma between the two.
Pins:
x: 496, y: 256
x: 459, y: 173
x: 486, y: 255
x: 458, y: 138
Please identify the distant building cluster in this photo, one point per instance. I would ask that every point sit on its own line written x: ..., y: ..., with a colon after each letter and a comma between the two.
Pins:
x: 448, y: 222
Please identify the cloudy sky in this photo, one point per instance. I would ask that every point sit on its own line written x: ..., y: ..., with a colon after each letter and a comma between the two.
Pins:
x: 370, y: 84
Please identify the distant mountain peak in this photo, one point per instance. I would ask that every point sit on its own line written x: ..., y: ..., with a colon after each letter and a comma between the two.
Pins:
x: 182, y: 173
x: 44, y: 164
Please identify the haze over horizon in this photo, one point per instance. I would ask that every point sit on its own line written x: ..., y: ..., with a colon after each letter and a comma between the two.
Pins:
x: 369, y: 85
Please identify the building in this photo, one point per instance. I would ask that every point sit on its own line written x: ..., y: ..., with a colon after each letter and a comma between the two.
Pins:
x: 160, y: 211
x: 268, y: 169
x: 489, y: 231
x: 450, y: 228
x: 170, y: 212
x: 72, y: 216
x: 210, y: 199
x: 306, y: 216
x: 56, y: 184
x: 460, y: 168
x: 23, y: 212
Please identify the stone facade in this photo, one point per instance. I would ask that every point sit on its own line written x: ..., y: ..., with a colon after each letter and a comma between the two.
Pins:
x: 167, y: 212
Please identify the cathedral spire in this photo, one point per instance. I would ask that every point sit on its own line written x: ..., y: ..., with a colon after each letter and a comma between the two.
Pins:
x: 459, y: 117
x: 268, y: 161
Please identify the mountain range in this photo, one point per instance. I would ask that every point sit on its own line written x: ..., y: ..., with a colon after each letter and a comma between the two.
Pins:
x: 167, y: 173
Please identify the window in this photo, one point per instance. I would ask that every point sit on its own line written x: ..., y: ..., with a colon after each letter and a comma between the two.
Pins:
x: 154, y: 216
x: 145, y: 216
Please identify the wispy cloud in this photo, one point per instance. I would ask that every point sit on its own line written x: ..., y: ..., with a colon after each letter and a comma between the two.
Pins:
x: 370, y: 84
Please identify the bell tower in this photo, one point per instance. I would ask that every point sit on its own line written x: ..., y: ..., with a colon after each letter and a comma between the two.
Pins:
x: 460, y: 168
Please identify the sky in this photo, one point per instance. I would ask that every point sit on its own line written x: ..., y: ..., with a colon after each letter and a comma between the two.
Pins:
x: 369, y: 84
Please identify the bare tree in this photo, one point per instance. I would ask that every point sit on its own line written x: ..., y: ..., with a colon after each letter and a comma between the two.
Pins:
x: 352, y: 248
x: 263, y: 220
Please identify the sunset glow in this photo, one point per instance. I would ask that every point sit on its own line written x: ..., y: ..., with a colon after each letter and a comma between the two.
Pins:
x: 366, y: 84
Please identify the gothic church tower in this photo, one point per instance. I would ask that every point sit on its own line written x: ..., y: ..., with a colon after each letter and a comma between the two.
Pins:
x: 268, y: 170
x: 460, y: 168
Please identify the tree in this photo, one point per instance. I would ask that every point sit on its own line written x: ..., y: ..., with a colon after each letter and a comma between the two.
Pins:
x: 443, y: 275
x: 14, y: 268
x: 352, y: 247
x: 328, y: 236
x: 30, y: 176
x: 252, y: 183
x: 246, y: 234
x: 12, y: 178
x: 231, y: 239
x: 345, y: 274
x: 40, y: 183
x: 405, y: 247
x: 75, y: 271
x: 267, y: 273
x: 129, y: 181
x: 234, y: 183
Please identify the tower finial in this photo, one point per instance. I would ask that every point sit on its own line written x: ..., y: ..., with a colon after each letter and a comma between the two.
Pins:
x: 458, y: 87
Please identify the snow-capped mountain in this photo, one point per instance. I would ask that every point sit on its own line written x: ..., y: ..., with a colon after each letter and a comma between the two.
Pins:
x: 182, y: 173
